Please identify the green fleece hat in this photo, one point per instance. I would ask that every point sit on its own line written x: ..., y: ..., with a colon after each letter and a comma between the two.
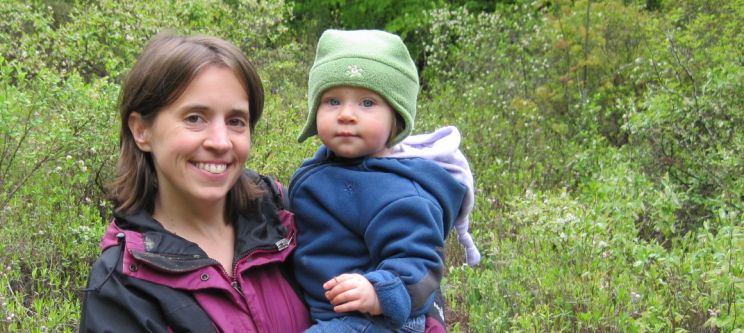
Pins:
x: 371, y: 59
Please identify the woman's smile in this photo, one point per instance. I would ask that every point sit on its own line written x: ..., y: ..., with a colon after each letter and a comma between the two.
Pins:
x: 212, y: 167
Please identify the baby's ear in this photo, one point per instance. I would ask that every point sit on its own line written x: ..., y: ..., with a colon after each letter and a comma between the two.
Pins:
x: 140, y: 131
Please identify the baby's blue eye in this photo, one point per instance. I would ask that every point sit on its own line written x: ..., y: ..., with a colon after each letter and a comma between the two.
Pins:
x: 333, y: 101
x: 368, y: 103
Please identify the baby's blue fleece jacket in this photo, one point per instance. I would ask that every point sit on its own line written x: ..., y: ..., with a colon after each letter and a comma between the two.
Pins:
x: 384, y: 218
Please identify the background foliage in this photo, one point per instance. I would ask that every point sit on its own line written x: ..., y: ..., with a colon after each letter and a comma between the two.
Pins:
x: 606, y: 138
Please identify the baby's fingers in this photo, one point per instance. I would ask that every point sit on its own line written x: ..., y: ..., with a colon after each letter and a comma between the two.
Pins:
x: 345, y: 296
x: 348, y: 306
x: 330, y: 284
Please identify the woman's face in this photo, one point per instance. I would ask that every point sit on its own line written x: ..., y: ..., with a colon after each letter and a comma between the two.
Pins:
x: 200, y: 142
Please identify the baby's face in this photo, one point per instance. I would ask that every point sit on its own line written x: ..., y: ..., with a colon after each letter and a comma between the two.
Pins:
x: 354, y: 122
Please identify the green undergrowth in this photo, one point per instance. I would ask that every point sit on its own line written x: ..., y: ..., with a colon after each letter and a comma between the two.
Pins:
x: 589, y: 261
x: 605, y: 138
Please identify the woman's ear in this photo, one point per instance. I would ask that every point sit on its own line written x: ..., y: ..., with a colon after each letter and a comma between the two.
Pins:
x: 140, y: 131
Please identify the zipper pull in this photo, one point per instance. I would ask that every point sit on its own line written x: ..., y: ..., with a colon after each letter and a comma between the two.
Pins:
x: 236, y: 286
x: 282, y: 244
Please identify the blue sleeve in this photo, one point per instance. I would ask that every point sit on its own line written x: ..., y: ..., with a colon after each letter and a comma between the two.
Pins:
x: 405, y: 237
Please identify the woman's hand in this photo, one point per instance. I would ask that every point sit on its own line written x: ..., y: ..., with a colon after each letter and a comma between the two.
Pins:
x: 352, y: 292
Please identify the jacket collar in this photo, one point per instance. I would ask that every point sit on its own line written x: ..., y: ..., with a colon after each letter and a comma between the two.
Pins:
x: 260, y: 231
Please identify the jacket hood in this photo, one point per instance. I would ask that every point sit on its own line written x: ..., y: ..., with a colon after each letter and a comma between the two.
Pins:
x: 443, y: 148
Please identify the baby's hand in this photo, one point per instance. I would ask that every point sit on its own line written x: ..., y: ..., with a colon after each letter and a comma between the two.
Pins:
x: 352, y: 292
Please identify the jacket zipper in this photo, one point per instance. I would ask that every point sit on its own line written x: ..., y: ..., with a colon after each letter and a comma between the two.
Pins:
x: 233, y: 281
x: 277, y: 247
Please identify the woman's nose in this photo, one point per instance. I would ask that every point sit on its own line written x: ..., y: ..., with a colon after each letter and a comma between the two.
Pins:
x: 218, y: 137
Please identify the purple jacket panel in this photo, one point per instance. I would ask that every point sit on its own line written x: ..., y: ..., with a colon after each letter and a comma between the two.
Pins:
x: 253, y: 308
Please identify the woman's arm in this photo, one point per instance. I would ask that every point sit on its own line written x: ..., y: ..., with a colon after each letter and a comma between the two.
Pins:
x: 117, y: 303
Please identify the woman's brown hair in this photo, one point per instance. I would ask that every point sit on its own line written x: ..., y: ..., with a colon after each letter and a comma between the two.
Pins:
x: 162, y: 72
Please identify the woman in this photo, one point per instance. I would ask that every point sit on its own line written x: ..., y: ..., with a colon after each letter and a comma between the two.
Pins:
x: 197, y: 243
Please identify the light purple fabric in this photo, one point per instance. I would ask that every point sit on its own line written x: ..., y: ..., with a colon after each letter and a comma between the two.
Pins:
x: 443, y: 147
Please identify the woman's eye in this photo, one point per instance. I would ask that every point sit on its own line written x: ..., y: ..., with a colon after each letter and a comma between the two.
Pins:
x: 193, y: 119
x: 368, y: 103
x: 236, y: 122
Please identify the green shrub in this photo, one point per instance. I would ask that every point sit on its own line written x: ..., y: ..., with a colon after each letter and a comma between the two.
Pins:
x: 57, y: 151
x: 688, y: 124
x: 102, y: 38
x: 483, y: 71
x: 605, y: 137
x: 561, y: 262
x: 543, y: 93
